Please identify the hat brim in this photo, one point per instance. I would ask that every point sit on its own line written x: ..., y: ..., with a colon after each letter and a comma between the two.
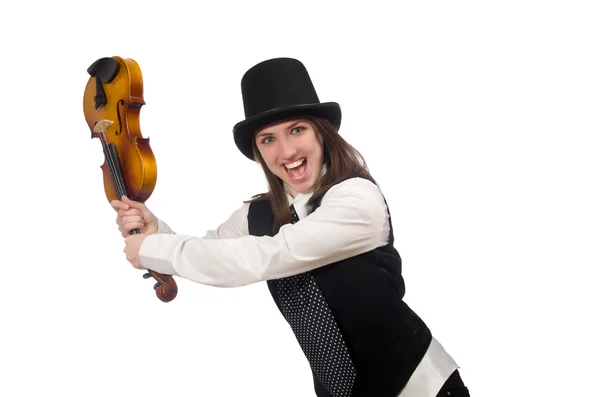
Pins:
x: 244, y: 130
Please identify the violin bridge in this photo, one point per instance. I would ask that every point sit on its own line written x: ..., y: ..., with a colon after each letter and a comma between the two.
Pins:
x: 102, y: 126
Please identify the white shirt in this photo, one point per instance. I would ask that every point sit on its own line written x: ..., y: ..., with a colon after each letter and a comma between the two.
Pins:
x: 352, y: 219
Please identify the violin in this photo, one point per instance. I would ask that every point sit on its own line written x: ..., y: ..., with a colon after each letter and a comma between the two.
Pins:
x: 112, y: 101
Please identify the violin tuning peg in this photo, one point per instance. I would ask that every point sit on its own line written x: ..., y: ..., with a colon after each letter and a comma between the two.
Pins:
x: 156, y: 285
x: 147, y: 275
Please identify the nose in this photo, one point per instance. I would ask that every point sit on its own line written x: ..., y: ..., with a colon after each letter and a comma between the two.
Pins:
x: 287, y: 149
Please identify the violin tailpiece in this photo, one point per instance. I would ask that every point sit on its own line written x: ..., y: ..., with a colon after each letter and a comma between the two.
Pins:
x: 100, y: 97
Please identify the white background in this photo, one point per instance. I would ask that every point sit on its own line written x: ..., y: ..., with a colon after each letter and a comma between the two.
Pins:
x: 479, y: 120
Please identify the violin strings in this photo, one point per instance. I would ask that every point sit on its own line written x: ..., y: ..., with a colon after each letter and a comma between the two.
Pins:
x: 109, y: 159
x: 118, y: 180
x: 113, y: 167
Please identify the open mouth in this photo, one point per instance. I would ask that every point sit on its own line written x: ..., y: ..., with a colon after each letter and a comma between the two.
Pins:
x: 297, y: 169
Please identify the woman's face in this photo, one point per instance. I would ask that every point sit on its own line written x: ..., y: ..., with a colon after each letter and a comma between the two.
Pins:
x: 293, y: 152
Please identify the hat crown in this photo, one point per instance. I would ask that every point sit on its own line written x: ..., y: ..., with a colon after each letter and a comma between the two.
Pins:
x: 276, y: 83
x: 274, y: 90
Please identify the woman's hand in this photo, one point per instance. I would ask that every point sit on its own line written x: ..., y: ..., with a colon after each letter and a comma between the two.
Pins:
x: 133, y: 244
x: 134, y: 215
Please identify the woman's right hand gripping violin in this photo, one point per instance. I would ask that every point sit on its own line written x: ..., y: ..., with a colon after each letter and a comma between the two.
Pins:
x: 134, y: 215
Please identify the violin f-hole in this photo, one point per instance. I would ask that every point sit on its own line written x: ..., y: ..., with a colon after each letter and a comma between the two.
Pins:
x: 121, y: 102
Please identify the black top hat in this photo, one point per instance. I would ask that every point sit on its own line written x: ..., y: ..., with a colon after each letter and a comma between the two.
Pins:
x: 274, y: 90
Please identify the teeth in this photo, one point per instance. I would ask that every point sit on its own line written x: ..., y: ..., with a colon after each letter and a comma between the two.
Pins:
x: 293, y: 165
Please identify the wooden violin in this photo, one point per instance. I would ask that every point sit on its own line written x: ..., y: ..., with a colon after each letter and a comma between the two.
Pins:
x: 111, y: 104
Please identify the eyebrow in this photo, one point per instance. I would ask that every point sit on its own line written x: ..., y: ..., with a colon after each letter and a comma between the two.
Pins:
x: 266, y: 133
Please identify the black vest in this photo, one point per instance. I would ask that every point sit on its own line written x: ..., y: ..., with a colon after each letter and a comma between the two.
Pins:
x: 385, y: 338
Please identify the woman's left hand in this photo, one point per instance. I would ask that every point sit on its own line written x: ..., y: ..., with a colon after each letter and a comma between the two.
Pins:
x: 133, y: 244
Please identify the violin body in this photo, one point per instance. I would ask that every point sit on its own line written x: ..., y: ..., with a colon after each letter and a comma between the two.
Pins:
x: 112, y: 101
x: 123, y: 101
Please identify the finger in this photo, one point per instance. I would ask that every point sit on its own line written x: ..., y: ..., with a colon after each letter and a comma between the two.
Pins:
x: 128, y: 225
x: 131, y: 212
x: 128, y: 216
x: 131, y: 218
x: 118, y: 205
x: 134, y: 204
x: 133, y: 225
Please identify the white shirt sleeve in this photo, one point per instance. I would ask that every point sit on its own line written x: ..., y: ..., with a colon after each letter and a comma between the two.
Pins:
x: 351, y: 220
x: 163, y: 227
x: 235, y: 226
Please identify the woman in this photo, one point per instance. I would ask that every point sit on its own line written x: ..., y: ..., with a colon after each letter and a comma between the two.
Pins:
x: 321, y: 238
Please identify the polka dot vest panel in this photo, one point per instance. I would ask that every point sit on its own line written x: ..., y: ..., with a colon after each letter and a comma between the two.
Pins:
x: 358, y: 335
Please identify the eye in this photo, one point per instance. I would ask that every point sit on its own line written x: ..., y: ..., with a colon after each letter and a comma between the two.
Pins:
x: 298, y: 129
x: 264, y: 140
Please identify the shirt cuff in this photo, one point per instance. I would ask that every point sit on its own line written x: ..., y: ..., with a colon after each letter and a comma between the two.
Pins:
x: 157, y: 250
x: 164, y: 228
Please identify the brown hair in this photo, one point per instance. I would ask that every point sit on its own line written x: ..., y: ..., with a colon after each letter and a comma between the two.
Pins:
x: 342, y: 159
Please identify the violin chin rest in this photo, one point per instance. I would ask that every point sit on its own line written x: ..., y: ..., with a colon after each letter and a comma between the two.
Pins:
x: 104, y: 69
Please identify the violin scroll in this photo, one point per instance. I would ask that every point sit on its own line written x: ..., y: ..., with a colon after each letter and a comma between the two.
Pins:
x: 166, y: 288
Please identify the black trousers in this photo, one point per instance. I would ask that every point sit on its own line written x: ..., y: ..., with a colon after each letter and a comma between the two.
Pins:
x: 454, y: 387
